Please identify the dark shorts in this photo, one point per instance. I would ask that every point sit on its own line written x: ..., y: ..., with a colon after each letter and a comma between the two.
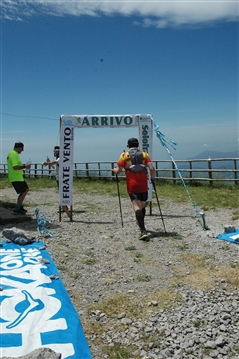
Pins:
x: 140, y: 196
x: 20, y: 187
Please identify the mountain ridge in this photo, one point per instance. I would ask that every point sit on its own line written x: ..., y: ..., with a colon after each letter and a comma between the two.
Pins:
x: 215, y: 154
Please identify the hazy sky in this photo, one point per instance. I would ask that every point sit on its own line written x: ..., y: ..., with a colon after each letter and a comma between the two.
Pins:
x: 175, y: 60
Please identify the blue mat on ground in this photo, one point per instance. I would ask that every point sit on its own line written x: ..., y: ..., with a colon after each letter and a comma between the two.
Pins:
x: 36, y: 310
x: 230, y: 237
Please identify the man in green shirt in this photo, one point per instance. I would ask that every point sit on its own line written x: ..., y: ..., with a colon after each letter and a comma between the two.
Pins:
x: 15, y: 176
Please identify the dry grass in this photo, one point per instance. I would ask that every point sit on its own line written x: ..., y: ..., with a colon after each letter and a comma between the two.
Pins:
x: 133, y: 307
x: 136, y: 307
x: 201, y: 272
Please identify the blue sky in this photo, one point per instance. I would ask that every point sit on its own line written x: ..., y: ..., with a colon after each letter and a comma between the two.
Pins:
x: 175, y: 60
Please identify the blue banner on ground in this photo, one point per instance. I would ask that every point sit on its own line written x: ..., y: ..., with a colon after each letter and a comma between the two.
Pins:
x: 230, y: 237
x: 36, y: 310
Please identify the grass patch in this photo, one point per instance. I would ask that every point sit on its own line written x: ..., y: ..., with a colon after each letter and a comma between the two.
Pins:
x: 230, y: 275
x: 130, y: 248
x: 197, y: 323
x: 73, y: 275
x: 234, y: 265
x: 134, y: 307
x: 203, y: 273
x: 62, y: 268
x: 235, y: 215
x: 118, y: 351
x: 138, y: 257
x: 205, y: 196
x: 183, y: 246
x: 88, y: 261
x: 108, y: 187
x: 88, y: 253
x: 177, y: 236
x: 144, y: 278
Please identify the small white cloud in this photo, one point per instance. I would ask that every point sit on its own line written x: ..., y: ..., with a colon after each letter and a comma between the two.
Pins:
x: 207, y: 145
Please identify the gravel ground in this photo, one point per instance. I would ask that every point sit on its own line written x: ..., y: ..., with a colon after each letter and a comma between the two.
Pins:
x: 175, y: 296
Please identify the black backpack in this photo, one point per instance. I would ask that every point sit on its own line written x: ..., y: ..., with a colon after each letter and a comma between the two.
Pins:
x: 136, y: 157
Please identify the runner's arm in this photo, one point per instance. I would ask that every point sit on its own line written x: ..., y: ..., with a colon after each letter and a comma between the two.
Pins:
x: 117, y: 170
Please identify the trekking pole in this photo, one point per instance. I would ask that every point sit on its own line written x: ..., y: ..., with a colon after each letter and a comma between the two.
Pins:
x: 119, y: 200
x: 159, y: 207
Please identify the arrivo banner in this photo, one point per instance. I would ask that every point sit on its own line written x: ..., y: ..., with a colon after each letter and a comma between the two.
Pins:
x: 104, y: 120
x: 144, y: 122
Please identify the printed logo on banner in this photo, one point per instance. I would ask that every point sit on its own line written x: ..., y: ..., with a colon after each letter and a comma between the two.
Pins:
x: 67, y: 122
x: 32, y: 315
x: 146, y: 118
x: 145, y: 140
x: 66, y: 165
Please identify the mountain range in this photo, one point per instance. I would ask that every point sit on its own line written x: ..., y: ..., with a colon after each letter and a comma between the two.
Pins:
x: 215, y: 154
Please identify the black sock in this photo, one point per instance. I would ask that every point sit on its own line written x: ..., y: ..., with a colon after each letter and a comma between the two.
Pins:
x: 140, y: 219
x: 144, y: 211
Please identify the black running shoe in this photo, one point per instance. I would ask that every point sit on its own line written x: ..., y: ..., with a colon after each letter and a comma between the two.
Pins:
x: 17, y: 211
x: 144, y: 236
x: 23, y: 209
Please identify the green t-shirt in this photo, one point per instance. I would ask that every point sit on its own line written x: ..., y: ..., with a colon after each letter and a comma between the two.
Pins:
x: 13, y: 159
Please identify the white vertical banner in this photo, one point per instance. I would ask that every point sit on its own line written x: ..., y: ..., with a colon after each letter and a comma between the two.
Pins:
x: 66, y: 165
x: 145, y: 143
